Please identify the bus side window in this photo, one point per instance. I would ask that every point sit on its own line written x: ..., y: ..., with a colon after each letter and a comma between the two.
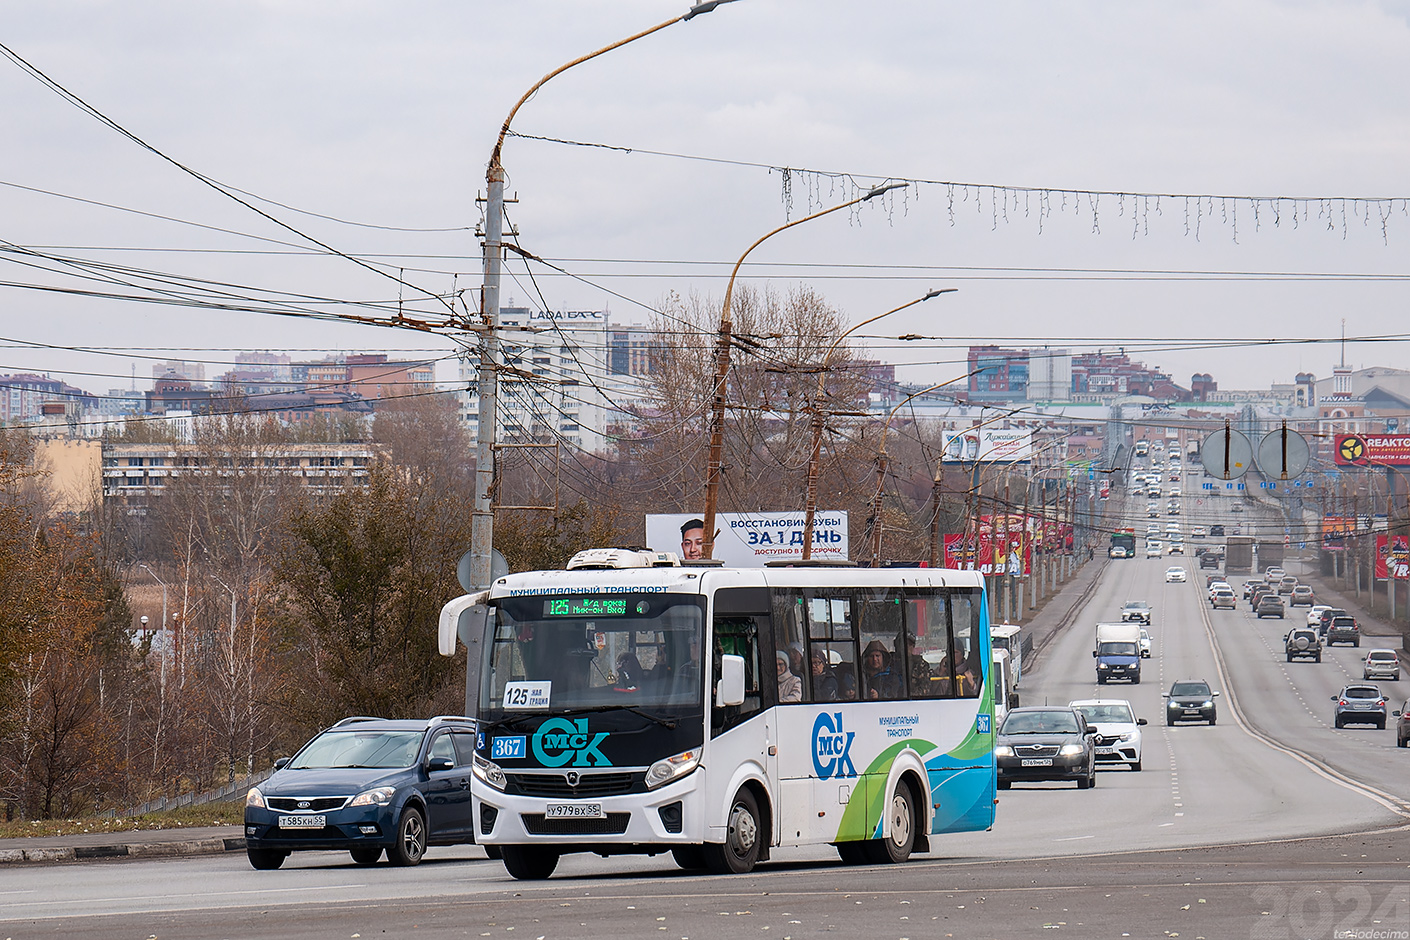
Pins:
x: 882, y: 634
x: 830, y: 666
x: 964, y: 617
x: 928, y: 642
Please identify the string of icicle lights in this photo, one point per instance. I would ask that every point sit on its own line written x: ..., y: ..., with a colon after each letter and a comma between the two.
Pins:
x: 1197, y: 212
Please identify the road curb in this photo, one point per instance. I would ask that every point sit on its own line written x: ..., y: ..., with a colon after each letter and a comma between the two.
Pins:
x: 48, y: 855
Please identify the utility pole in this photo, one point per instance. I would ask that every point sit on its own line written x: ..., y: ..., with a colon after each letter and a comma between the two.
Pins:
x: 482, y: 515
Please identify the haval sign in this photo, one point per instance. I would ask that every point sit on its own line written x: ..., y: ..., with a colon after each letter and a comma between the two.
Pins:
x: 1372, y: 450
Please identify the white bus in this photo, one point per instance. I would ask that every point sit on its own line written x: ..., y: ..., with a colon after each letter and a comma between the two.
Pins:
x: 837, y: 706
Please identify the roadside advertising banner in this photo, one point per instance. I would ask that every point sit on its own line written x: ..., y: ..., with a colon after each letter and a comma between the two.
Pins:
x: 1392, y: 557
x: 1372, y: 450
x: 1334, y: 531
x: 749, y: 539
x: 984, y: 445
x: 990, y: 553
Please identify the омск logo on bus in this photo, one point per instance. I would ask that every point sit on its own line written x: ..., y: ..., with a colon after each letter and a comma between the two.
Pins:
x: 561, y: 740
x: 832, y: 747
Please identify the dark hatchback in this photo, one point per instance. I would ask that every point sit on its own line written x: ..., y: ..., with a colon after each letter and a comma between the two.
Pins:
x: 1343, y: 630
x: 1190, y: 700
x: 367, y: 786
x: 1046, y: 743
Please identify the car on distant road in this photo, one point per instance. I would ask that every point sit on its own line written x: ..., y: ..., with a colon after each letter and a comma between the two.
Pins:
x: 1190, y: 700
x: 1402, y: 725
x: 1344, y: 630
x: 1381, y: 664
x: 1273, y: 574
x: 1209, y: 560
x: 1359, y: 705
x: 1175, y: 574
x: 1154, y: 549
x: 1136, y: 612
x: 1223, y: 598
x: 1237, y: 507
x: 367, y: 786
x: 1325, y: 621
x: 1269, y: 605
x: 1045, y: 743
x: 1177, y: 547
x: 1249, y: 587
x: 1260, y: 592
x: 1198, y: 532
x: 1216, y: 531
x: 1303, y: 643
x: 1118, y: 738
x: 1302, y: 596
x: 1144, y: 644
x: 1286, y: 585
x: 1314, y: 614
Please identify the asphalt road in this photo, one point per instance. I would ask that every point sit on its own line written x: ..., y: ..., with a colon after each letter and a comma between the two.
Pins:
x: 1206, y: 841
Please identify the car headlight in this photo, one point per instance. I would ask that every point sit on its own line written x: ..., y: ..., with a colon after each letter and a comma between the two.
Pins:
x: 1207, y: 703
x: 1003, y: 750
x: 489, y: 772
x: 254, y: 799
x: 1071, y: 750
x: 1129, y: 736
x: 670, y: 768
x: 379, y: 796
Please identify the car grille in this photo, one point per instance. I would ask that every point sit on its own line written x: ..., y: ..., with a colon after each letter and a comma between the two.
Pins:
x: 1036, y: 750
x: 305, y: 804
x: 538, y: 825
x: 556, y: 786
x: 312, y: 835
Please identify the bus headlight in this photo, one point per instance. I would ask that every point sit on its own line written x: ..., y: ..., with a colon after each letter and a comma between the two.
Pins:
x: 671, y: 768
x: 489, y: 772
x: 254, y: 799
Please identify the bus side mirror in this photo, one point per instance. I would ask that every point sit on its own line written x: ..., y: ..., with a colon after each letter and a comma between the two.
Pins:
x: 465, y: 619
x: 730, y: 689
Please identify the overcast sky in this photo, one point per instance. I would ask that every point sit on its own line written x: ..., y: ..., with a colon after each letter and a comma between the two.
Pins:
x: 384, y: 114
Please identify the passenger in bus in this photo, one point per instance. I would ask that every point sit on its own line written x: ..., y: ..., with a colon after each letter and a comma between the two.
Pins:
x: 796, y: 658
x: 916, y: 665
x: 790, y: 687
x: 881, y: 682
x: 846, y: 681
x: 629, y: 673
x: 825, y: 688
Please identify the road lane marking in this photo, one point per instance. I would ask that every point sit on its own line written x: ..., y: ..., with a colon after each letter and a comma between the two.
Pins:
x: 1074, y: 838
x: 203, y: 894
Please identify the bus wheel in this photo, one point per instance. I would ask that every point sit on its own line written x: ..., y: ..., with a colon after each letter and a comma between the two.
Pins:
x: 529, y: 862
x: 740, y: 850
x: 689, y: 857
x: 900, y: 815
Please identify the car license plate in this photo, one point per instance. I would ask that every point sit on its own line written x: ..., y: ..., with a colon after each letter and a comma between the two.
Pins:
x: 1037, y: 762
x: 302, y: 822
x: 574, y: 811
x: 1192, y: 711
x: 1106, y: 750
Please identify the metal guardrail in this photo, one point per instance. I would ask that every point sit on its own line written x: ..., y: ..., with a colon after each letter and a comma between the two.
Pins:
x: 193, y: 799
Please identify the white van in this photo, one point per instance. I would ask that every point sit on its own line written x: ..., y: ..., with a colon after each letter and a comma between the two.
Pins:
x: 1009, y: 636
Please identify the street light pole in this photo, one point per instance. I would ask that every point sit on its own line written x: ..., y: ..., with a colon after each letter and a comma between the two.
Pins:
x: 722, y: 350
x: 810, y: 500
x: 881, y: 466
x: 487, y: 380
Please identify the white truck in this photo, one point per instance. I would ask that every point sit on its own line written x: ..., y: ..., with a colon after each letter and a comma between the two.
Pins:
x: 1118, y: 652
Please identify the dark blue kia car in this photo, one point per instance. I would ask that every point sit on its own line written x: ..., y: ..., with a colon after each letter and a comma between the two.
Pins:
x: 367, y: 786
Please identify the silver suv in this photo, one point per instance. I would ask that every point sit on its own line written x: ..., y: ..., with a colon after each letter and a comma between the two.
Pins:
x: 1303, y: 643
x: 1381, y: 664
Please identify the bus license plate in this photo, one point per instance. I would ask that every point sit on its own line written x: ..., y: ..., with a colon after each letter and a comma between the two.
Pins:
x: 1037, y: 762
x: 302, y: 822
x: 574, y: 811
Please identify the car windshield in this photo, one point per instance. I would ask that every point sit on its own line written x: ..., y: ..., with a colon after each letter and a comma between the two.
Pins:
x: 354, y: 748
x: 1117, y: 649
x: 1055, y: 722
x: 1361, y: 691
x: 1343, y: 621
x: 1190, y: 688
x: 1142, y: 605
x: 1111, y: 714
x: 596, y: 651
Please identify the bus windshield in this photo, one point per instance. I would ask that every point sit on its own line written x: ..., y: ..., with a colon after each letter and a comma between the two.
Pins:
x: 555, y: 652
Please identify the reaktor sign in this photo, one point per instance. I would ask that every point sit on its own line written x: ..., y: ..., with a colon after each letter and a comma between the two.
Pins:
x: 1372, y: 450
